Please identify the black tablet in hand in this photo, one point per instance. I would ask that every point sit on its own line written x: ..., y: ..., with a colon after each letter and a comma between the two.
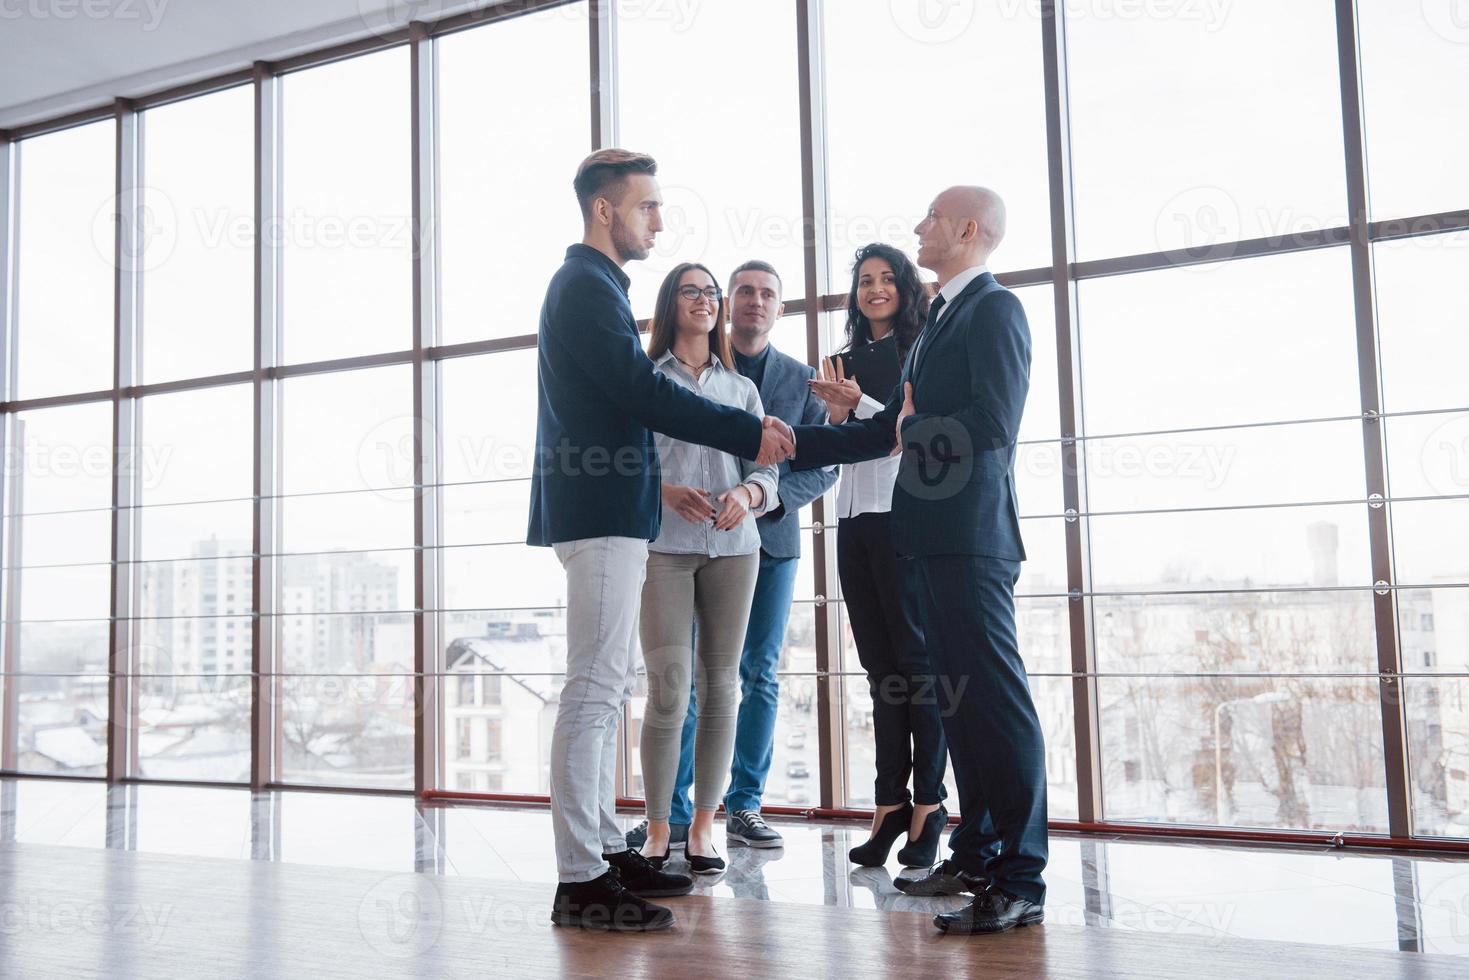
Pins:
x: 874, y: 365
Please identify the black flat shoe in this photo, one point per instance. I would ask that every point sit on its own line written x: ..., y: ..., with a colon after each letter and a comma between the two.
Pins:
x: 991, y: 911
x: 701, y: 865
x: 656, y: 860
x: 921, y: 852
x: 874, y: 853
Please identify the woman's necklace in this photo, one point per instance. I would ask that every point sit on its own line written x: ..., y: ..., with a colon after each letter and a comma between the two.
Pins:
x: 697, y: 369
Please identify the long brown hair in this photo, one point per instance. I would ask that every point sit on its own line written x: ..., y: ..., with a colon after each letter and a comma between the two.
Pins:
x: 664, y: 325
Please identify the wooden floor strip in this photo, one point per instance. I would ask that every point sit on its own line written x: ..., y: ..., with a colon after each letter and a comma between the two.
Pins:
x: 79, y: 912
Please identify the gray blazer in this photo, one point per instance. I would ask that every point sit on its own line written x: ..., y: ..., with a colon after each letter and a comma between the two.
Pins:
x: 785, y: 394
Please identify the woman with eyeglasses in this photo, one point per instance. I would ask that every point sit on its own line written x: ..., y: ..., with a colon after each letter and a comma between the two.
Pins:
x: 887, y: 298
x: 701, y: 569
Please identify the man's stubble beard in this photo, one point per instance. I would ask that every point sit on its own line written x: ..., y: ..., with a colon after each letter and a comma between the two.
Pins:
x: 629, y: 248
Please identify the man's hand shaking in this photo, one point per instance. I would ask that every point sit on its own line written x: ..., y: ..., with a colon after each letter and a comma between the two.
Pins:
x: 777, y: 442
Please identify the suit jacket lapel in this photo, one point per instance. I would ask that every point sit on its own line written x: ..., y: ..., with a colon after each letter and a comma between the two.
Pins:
x: 769, y: 382
x: 950, y: 311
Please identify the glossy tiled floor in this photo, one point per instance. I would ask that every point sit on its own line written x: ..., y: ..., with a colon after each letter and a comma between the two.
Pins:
x: 1351, y: 899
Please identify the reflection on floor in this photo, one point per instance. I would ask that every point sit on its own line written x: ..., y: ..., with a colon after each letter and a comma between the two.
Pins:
x: 1343, y: 899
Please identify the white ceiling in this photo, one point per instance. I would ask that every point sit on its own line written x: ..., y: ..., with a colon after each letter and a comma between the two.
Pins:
x: 59, y: 56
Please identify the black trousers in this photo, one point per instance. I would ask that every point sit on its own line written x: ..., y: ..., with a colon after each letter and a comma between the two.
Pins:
x: 884, y: 617
x: 967, y: 607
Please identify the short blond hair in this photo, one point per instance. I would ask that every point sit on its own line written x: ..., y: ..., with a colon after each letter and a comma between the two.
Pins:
x: 604, y: 172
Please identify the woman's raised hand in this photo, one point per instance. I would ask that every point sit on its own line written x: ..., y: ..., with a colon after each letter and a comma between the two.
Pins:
x: 841, y: 393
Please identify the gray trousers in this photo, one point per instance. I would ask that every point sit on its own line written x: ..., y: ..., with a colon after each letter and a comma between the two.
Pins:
x: 604, y: 579
x: 715, y: 593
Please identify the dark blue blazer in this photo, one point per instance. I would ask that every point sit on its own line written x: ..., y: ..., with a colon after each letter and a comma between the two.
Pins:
x: 596, y: 471
x: 785, y: 394
x: 955, y: 493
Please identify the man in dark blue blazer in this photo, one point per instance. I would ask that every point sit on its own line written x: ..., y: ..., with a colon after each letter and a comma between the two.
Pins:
x: 955, y: 420
x: 595, y: 498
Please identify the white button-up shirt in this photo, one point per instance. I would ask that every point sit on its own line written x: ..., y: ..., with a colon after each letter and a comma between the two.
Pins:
x: 867, y: 487
x: 691, y: 465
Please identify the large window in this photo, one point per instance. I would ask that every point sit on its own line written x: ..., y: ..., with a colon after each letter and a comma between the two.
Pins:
x: 1421, y: 289
x: 1415, y: 58
x: 1218, y: 153
x: 56, y: 599
x: 710, y: 92
x: 343, y: 624
x: 1256, y: 625
x: 191, y: 606
x: 345, y: 226
x: 506, y: 217
x: 66, y: 210
x: 1222, y: 531
x: 891, y: 147
x: 199, y: 221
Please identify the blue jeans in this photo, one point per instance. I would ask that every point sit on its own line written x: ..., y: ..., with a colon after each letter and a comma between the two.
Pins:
x: 770, y: 610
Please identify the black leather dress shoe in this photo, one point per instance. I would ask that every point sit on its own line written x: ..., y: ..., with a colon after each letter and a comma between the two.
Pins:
x: 991, y: 911
x: 944, y: 878
x: 604, y: 904
x: 641, y: 878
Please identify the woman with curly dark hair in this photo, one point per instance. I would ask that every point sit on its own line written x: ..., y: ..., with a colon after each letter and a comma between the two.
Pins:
x: 887, y: 298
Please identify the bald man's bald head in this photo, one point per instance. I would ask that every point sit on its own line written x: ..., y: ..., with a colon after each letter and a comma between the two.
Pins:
x: 963, y: 226
x: 983, y: 206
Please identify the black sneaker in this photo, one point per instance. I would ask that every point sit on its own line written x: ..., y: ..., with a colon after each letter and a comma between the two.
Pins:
x: 641, y: 878
x: 944, y: 878
x: 603, y: 903
x: 678, y: 836
x: 747, y: 827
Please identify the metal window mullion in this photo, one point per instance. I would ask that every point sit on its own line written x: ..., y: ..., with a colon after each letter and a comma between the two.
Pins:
x: 10, y: 433
x: 427, y: 522
x: 603, y: 31
x: 264, y: 531
x: 1390, y: 694
x: 1085, y: 709
x: 122, y: 630
x: 830, y: 692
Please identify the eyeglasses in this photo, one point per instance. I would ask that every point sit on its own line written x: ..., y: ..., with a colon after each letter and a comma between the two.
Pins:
x: 711, y: 293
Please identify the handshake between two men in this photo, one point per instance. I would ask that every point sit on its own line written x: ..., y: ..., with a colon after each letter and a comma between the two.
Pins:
x: 777, y: 442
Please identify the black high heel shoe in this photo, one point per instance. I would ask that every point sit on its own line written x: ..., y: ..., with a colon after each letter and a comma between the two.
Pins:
x: 921, y: 852
x: 874, y: 853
